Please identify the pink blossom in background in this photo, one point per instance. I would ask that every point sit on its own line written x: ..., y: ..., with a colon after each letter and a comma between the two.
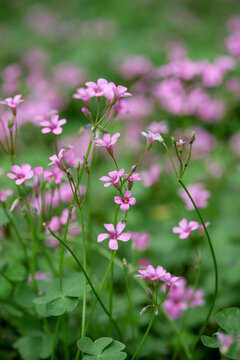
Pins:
x: 140, y: 240
x: 4, y: 195
x: 107, y: 140
x: 233, y: 44
x: 204, y: 143
x: 11, y: 74
x: 234, y: 142
x: 143, y: 263
x: 113, y: 178
x: 38, y: 173
x: 201, y: 228
x: 57, y: 159
x: 137, y: 107
x: 52, y: 124
x: 115, y: 235
x: 77, y: 150
x: 233, y: 85
x: 40, y: 275
x: 135, y: 66
x: 225, y: 340
x: 21, y: 173
x: 64, y: 216
x: 185, y: 229
x: 152, y: 176
x: 68, y: 75
x: 55, y: 175
x: 179, y: 298
x: 54, y: 224
x: 158, y: 127
x: 151, y: 137
x: 199, y: 194
x: 233, y: 23
x: 126, y: 201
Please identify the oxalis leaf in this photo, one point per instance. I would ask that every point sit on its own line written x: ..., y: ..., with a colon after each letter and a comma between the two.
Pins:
x: 34, y: 348
x: 57, y: 301
x: 103, y: 348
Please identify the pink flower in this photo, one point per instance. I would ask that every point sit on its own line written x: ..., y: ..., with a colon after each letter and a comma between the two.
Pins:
x: 21, y: 173
x: 52, y: 124
x: 143, y: 262
x: 54, y: 224
x: 147, y: 274
x: 126, y: 201
x: 199, y: 195
x: 151, y: 137
x: 108, y: 141
x: 225, y: 340
x: 13, y: 102
x: 100, y: 88
x: 116, y: 92
x: 56, y: 160
x: 115, y: 234
x: 158, y: 127
x: 140, y: 240
x: 180, y: 143
x: 170, y: 279
x: 185, y: 229
x: 113, y: 178
x: 40, y: 275
x: 84, y: 94
x: 152, y: 176
x: 133, y: 177
x: 55, y: 175
x: 4, y: 194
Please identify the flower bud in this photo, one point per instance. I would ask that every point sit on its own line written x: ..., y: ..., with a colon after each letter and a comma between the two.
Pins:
x: 86, y: 112
x: 192, y: 139
x: 174, y: 141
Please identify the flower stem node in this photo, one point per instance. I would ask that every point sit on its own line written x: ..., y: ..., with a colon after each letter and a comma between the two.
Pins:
x: 10, y: 123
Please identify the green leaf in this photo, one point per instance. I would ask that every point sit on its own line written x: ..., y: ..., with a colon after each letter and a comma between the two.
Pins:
x: 29, y: 326
x: 15, y: 272
x: 229, y: 320
x: 103, y: 348
x: 46, y: 346
x: 86, y: 345
x: 29, y: 347
x: 3, y: 218
x: 211, y: 342
x: 24, y: 295
x: 5, y: 288
x: 73, y: 285
x: 61, y: 305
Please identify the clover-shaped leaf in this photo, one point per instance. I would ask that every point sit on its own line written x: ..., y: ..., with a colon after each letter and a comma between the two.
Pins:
x: 35, y: 347
x: 103, y: 348
x: 57, y: 300
x: 229, y: 320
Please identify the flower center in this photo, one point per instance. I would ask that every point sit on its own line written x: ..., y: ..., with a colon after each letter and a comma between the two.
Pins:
x: 125, y: 201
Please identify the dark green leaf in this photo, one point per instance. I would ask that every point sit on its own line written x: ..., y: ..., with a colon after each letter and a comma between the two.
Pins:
x: 229, y: 320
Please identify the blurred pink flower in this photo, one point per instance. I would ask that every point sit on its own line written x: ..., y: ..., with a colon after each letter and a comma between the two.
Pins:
x: 56, y: 159
x: 113, y: 178
x: 199, y: 194
x: 152, y: 176
x: 185, y: 229
x: 55, y: 175
x: 52, y: 124
x: 151, y: 137
x: 135, y: 66
x: 115, y: 235
x: 140, y: 240
x: 21, y: 173
x: 107, y: 140
x: 158, y: 127
x: 12, y: 102
x: 225, y: 340
x: 4, y: 194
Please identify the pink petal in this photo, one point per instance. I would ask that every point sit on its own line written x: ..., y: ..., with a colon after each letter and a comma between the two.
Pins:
x: 113, y: 244
x: 11, y: 176
x: 124, y: 207
x: 20, y: 181
x: 109, y: 228
x: 57, y: 131
x: 105, y: 178
x: 16, y: 169
x: 102, y: 237
x: 62, y: 122
x: 124, y: 236
x: 118, y: 200
x: 176, y: 230
x: 193, y: 225
x: 184, y: 235
x: 120, y: 227
x: 132, y: 201
x: 128, y: 193
x: 183, y: 223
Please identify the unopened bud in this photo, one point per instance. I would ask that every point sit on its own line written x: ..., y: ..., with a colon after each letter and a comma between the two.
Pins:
x: 174, y: 141
x: 86, y: 112
x: 124, y: 261
x: 143, y: 310
x: 87, y: 168
x: 10, y: 123
x: 134, y: 168
x: 156, y: 312
x: 192, y: 139
x: 14, y: 204
x: 78, y: 165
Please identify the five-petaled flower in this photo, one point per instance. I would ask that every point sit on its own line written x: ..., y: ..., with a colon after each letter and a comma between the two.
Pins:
x: 126, y: 201
x: 113, y: 178
x: 13, y: 102
x: 108, y: 141
x: 151, y: 137
x: 21, y: 173
x: 115, y: 235
x: 52, y: 124
x: 114, y: 93
x: 100, y: 88
x: 185, y: 229
x: 56, y: 160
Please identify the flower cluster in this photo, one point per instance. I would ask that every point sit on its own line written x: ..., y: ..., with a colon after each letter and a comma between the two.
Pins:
x: 158, y: 274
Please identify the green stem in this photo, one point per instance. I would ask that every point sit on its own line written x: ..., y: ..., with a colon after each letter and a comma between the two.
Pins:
x: 85, y: 280
x: 170, y: 157
x: 89, y: 281
x: 145, y: 336
x: 214, y: 264
x: 62, y: 246
x: 129, y: 295
x: 55, y: 338
x: 64, y: 333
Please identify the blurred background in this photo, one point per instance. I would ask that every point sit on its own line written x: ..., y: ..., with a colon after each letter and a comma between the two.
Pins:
x: 181, y: 62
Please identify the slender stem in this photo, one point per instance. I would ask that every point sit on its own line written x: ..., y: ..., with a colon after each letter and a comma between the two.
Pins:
x: 145, y: 335
x: 85, y: 268
x: 170, y: 157
x: 17, y: 234
x: 89, y: 281
x: 56, y: 143
x: 55, y: 338
x: 62, y: 246
x: 137, y: 164
x: 188, y: 159
x: 129, y: 295
x: 187, y: 312
x: 64, y: 333
x: 214, y: 264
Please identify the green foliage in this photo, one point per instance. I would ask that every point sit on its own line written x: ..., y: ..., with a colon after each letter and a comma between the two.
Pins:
x: 103, y: 348
x: 3, y: 218
x: 229, y: 321
x: 57, y: 301
x: 34, y: 348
